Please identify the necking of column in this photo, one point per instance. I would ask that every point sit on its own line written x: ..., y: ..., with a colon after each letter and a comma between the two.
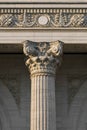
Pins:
x: 42, y: 61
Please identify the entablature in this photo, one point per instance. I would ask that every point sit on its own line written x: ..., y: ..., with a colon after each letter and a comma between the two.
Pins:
x: 45, y: 21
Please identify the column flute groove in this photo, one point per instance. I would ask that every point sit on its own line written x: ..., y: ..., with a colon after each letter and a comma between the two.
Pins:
x: 42, y: 61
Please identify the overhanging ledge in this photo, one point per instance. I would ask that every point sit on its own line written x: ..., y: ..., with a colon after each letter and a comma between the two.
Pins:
x: 75, y: 40
x: 43, y: 24
x: 18, y: 48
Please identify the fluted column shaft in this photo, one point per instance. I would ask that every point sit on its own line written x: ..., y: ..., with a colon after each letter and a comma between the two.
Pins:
x: 43, y: 113
x: 42, y: 62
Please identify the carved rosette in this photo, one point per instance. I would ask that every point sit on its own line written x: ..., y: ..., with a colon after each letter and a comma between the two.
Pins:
x: 43, y: 57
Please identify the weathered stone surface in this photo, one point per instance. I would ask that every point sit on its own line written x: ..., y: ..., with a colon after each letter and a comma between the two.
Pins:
x: 42, y: 61
x: 71, y: 93
x: 43, y: 18
x: 43, y: 57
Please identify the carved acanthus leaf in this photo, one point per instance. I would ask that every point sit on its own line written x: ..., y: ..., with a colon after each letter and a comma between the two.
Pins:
x: 43, y: 55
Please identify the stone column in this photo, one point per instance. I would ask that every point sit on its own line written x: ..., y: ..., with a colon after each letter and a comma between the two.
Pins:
x: 42, y: 60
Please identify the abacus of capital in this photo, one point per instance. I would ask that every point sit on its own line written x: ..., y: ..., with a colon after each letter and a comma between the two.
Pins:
x: 42, y: 61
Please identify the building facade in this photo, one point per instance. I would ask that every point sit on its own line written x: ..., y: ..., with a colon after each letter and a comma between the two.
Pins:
x: 43, y: 65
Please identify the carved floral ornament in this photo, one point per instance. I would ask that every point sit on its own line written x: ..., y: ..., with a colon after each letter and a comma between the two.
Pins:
x: 43, y: 18
x: 43, y: 57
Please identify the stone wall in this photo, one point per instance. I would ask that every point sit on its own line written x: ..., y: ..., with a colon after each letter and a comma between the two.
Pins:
x: 71, y: 93
x: 71, y: 89
x: 14, y: 93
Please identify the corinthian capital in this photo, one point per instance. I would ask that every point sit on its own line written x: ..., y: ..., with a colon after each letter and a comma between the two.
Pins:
x: 43, y: 57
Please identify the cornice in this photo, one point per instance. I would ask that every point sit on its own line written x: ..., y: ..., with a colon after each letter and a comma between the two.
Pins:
x: 43, y: 2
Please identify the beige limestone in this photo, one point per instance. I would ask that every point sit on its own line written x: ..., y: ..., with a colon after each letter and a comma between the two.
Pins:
x: 43, y: 103
x: 71, y: 92
x: 42, y: 61
x: 70, y: 1
x: 49, y: 5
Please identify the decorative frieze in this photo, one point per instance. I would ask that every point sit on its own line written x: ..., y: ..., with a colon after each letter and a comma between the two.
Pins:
x: 43, y: 18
